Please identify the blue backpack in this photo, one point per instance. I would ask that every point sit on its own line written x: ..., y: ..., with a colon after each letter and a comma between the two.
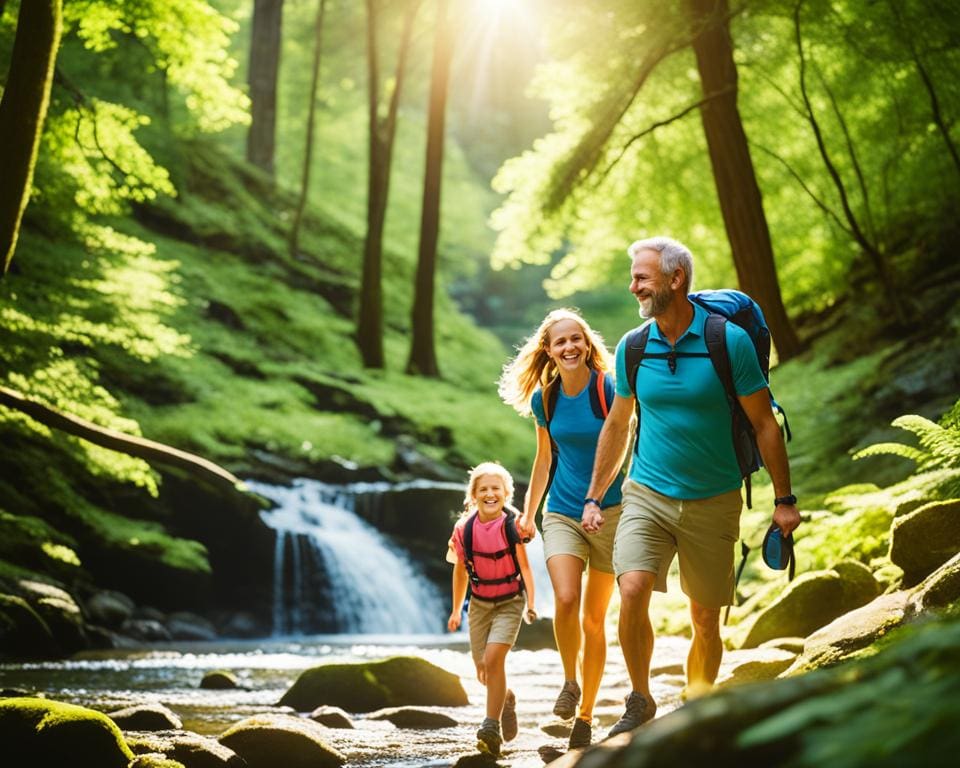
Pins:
x: 723, y: 306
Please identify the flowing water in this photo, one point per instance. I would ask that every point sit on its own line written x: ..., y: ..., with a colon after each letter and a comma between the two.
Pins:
x: 335, y: 572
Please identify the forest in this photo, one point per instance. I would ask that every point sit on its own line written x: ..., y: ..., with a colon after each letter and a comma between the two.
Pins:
x: 253, y: 244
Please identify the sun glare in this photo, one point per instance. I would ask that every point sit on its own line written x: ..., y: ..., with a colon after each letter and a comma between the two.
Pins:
x: 493, y: 11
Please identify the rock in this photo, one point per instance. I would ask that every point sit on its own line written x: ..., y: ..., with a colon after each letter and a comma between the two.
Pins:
x: 154, y: 760
x: 147, y: 630
x: 411, y: 717
x: 748, y: 666
x: 792, y: 644
x: 23, y: 634
x: 938, y: 590
x: 417, y: 511
x: 243, y: 625
x: 271, y: 741
x: 145, y: 717
x: 925, y: 539
x: 109, y: 609
x: 59, y: 610
x: 536, y: 636
x: 191, y: 749
x: 219, y: 679
x: 331, y: 717
x: 859, y: 584
x: 851, y: 632
x: 149, y: 613
x: 559, y: 729
x: 183, y: 625
x: 40, y: 732
x: 476, y: 760
x: 368, y: 686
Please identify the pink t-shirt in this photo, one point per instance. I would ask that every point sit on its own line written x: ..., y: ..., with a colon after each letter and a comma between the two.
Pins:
x: 487, y: 537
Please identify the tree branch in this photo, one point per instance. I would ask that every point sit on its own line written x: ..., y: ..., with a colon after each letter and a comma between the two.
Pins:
x: 148, y: 450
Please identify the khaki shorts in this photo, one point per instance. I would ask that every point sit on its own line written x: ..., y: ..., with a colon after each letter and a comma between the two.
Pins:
x: 494, y: 623
x: 703, y: 532
x: 563, y: 535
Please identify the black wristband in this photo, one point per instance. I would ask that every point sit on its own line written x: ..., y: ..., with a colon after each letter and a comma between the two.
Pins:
x: 592, y: 501
x: 789, y: 499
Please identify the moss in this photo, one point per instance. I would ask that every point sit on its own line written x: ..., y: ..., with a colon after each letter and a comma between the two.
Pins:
x: 52, y: 733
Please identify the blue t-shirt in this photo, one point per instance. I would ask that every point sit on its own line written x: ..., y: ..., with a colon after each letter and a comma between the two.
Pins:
x: 575, y: 429
x: 685, y: 450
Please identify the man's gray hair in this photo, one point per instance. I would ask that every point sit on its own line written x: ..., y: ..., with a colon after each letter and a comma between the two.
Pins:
x: 672, y: 252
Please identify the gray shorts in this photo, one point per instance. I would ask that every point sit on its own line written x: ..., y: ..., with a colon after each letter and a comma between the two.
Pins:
x: 562, y: 535
x: 703, y: 532
x: 494, y: 623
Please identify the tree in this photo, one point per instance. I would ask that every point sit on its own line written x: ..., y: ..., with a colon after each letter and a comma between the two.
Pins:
x: 311, y: 120
x: 262, y: 77
x: 737, y: 188
x: 382, y: 131
x: 423, y: 356
x: 23, y: 108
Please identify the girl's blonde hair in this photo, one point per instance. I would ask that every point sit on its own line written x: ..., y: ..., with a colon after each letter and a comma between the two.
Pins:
x: 486, y: 468
x: 533, y: 367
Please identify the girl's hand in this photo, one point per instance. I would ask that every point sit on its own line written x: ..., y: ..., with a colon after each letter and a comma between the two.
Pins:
x: 453, y: 623
x: 530, y: 615
x: 526, y: 527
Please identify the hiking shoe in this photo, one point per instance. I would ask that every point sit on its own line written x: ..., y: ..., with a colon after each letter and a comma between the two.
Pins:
x: 581, y: 734
x: 488, y: 737
x: 509, y: 717
x: 566, y: 706
x: 638, y: 711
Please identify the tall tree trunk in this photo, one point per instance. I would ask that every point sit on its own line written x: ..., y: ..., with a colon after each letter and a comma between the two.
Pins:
x: 737, y: 189
x: 311, y: 119
x: 382, y: 133
x: 23, y: 108
x: 262, y: 77
x: 423, y: 356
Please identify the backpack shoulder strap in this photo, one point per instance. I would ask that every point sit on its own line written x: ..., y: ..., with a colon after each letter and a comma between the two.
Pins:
x: 510, y: 530
x: 715, y: 336
x: 468, y: 539
x: 634, y: 348
x: 599, y: 398
x: 550, y: 394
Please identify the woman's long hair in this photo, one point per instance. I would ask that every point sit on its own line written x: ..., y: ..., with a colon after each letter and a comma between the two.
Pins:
x: 533, y: 367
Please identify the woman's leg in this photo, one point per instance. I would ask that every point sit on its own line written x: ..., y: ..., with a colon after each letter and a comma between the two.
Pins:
x: 596, y: 598
x: 495, y: 672
x: 566, y: 573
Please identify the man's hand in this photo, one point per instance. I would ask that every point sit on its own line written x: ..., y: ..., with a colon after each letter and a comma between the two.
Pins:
x: 592, y: 519
x: 787, y: 518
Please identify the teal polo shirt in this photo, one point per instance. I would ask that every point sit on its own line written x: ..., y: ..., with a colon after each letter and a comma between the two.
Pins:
x: 685, y: 450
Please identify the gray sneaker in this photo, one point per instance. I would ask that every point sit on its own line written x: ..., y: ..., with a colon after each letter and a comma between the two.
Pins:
x: 639, y: 710
x: 488, y: 737
x: 566, y: 706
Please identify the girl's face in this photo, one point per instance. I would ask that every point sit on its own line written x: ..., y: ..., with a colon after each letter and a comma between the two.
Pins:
x: 567, y: 345
x: 489, y: 494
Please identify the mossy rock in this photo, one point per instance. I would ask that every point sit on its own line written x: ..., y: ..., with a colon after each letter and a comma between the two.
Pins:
x: 274, y: 740
x: 219, y: 679
x: 154, y: 760
x: 191, y: 749
x: 809, y: 602
x: 146, y: 717
x: 59, y: 610
x: 368, y: 686
x: 42, y: 732
x: 925, y: 539
x: 858, y: 582
x: 412, y: 717
x: 23, y: 633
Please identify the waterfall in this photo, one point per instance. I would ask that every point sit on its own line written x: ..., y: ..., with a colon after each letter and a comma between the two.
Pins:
x: 335, y: 573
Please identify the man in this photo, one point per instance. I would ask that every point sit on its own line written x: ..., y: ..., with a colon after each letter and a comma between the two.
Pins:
x: 683, y: 492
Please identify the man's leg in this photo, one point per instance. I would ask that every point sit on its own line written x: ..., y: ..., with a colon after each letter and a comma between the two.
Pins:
x: 636, y: 631
x: 706, y: 649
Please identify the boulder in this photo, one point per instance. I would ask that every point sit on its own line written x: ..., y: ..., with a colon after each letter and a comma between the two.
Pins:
x: 42, y: 732
x: 146, y: 630
x: 925, y: 539
x: 145, y: 717
x: 858, y: 582
x: 368, y: 686
x: 411, y: 717
x: 242, y: 624
x: 59, y: 610
x: 748, y: 666
x: 219, y: 679
x: 23, y: 634
x: 272, y: 740
x: 183, y: 625
x: 154, y: 760
x: 536, y: 636
x: 331, y: 717
x: 938, y: 590
x: 559, y: 729
x: 851, y: 632
x: 191, y: 749
x: 109, y: 609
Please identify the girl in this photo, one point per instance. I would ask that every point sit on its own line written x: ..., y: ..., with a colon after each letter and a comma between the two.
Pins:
x: 488, y: 553
x: 567, y: 361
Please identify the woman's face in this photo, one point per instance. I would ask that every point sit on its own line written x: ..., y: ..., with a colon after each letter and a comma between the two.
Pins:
x: 567, y: 345
x: 489, y: 494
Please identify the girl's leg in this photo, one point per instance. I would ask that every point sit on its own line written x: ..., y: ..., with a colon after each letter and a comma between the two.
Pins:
x: 494, y: 663
x: 566, y: 572
x: 596, y: 598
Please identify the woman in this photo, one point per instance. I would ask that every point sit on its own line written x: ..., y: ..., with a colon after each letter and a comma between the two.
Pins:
x: 559, y: 375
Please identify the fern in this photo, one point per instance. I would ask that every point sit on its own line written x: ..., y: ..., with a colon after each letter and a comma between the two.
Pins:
x: 939, y: 444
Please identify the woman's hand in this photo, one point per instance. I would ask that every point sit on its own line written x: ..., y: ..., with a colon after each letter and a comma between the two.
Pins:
x: 526, y: 527
x: 592, y: 519
x: 453, y: 623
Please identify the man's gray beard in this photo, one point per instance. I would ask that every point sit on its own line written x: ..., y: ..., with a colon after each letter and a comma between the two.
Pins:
x: 657, y: 304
